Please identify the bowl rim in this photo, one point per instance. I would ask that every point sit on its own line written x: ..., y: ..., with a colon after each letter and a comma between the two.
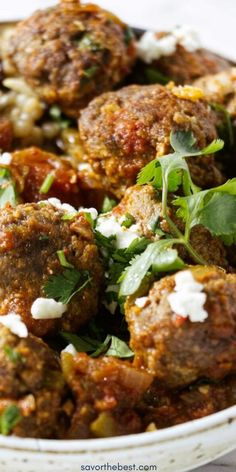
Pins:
x: 82, y: 446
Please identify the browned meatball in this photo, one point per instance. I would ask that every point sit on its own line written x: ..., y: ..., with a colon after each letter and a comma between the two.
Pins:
x: 144, y: 205
x: 184, y: 66
x: 76, y: 52
x: 161, y: 409
x: 30, y: 237
x: 175, y: 349
x: 106, y: 391
x: 122, y: 131
x: 30, y: 167
x: 32, y: 383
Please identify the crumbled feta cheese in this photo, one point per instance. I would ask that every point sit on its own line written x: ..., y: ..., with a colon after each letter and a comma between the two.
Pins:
x: 188, y: 299
x: 5, y: 159
x: 56, y: 203
x: 109, y: 226
x: 151, y: 48
x: 47, y: 308
x: 187, y: 37
x: 70, y: 349
x: 92, y: 211
x: 14, y: 323
x: 141, y: 302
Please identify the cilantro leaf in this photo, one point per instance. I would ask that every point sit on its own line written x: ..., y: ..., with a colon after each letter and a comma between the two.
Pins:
x: 153, y: 76
x: 110, y: 346
x: 214, y: 208
x: 172, y: 169
x: 9, y: 419
x: 158, y: 254
x: 63, y: 287
x: 13, y: 355
x: 219, y: 217
x: 225, y: 128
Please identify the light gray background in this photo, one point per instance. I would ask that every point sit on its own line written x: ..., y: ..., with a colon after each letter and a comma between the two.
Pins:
x: 214, y: 19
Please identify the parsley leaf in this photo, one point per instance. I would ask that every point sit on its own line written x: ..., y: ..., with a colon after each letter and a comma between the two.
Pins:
x: 9, y: 419
x: 128, y: 221
x: 63, y: 287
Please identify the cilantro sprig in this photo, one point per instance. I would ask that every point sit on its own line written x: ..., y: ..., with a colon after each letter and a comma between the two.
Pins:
x: 110, y: 346
x: 169, y: 173
x: 63, y: 287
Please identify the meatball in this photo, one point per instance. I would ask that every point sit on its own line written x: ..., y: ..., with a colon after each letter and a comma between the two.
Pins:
x: 122, y: 131
x: 220, y: 88
x: 6, y: 134
x: 76, y: 52
x: 32, y: 382
x: 161, y: 409
x: 144, y: 205
x: 185, y: 63
x: 30, y: 237
x: 106, y: 391
x: 179, y: 350
x: 30, y: 167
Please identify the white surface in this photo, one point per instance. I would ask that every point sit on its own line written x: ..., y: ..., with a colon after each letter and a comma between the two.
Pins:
x: 214, y: 19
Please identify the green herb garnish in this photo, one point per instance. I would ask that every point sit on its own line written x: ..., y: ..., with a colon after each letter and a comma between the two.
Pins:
x: 108, y: 204
x: 110, y: 346
x: 9, y: 419
x: 62, y: 258
x: 128, y: 221
x: 47, y: 183
x: 63, y: 287
x: 8, y: 194
x: 153, y: 76
x: 128, y: 35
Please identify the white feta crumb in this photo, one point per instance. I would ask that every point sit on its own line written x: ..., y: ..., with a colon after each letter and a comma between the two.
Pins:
x: 5, y: 159
x: 92, y: 211
x: 14, y: 323
x: 109, y: 226
x: 56, y: 203
x: 141, y: 302
x: 151, y: 48
x: 70, y: 349
x: 188, y: 299
x: 187, y: 37
x: 47, y: 308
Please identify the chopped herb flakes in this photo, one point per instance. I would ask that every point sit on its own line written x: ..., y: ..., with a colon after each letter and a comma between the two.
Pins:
x: 9, y: 419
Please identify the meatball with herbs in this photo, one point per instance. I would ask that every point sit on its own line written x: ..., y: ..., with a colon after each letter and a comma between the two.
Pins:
x: 76, y: 52
x: 123, y: 131
x: 50, y: 269
x: 38, y: 174
x: 106, y: 391
x: 176, y: 55
x: 32, y: 387
x: 139, y: 214
x: 185, y: 329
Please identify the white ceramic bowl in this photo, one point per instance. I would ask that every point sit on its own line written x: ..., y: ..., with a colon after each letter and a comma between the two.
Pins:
x: 175, y: 449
